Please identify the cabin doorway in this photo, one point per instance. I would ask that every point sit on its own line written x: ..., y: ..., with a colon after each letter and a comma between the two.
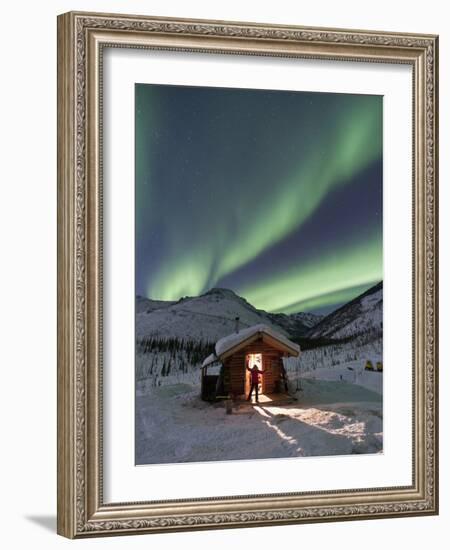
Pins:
x: 252, y: 359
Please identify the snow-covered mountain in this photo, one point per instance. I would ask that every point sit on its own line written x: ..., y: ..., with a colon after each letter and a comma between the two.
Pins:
x: 207, y: 317
x: 145, y: 305
x: 211, y: 316
x: 295, y: 324
x: 174, y: 338
x: 360, y: 315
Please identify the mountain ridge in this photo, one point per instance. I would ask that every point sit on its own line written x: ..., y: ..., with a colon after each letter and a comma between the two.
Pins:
x: 212, y: 315
x: 362, y: 313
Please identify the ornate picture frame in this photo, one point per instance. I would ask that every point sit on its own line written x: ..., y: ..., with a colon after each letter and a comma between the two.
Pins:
x: 82, y: 39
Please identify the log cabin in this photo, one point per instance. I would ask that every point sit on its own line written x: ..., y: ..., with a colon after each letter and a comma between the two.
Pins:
x: 225, y: 373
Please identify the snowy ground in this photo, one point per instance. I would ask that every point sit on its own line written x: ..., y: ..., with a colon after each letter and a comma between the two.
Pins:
x: 338, y: 411
x: 352, y: 372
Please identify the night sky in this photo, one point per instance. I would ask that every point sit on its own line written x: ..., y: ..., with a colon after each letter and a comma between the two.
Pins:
x: 274, y: 194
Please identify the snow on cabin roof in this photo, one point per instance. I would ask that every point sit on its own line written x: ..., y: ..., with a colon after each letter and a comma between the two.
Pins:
x: 233, y: 340
x: 210, y: 359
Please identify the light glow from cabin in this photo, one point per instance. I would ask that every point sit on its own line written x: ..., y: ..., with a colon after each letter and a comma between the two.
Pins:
x: 254, y: 359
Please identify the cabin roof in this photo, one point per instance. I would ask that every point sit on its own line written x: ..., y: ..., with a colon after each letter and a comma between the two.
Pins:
x: 209, y: 360
x: 233, y: 342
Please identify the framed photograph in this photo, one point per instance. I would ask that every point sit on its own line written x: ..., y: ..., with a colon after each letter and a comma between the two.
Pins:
x: 247, y: 274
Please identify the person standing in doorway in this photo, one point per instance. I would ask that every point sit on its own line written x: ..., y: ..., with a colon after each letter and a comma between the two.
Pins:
x: 254, y: 379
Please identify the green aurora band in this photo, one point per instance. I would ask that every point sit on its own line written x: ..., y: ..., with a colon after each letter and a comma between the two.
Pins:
x: 223, y: 240
x: 330, y: 280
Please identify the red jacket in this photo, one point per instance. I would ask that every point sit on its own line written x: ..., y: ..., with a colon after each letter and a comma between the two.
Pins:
x: 255, y: 374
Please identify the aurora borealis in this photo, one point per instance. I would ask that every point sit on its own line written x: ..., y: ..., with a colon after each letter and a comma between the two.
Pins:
x: 274, y: 194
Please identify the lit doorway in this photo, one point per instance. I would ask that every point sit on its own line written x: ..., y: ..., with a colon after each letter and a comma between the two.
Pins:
x: 252, y: 359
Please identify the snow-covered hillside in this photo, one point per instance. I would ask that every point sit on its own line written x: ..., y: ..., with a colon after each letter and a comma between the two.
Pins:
x: 363, y: 314
x: 296, y: 324
x: 207, y: 317
x: 144, y: 305
x: 359, y: 349
x: 212, y: 316
x: 173, y: 338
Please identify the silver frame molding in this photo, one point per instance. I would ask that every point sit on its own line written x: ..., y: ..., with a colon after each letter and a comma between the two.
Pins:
x: 81, y: 39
